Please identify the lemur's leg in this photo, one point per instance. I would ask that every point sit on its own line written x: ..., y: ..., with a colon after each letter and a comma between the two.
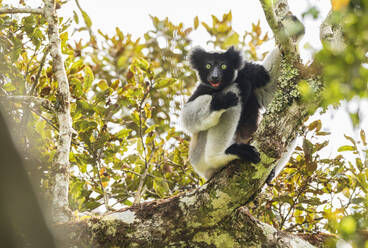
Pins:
x: 205, y: 111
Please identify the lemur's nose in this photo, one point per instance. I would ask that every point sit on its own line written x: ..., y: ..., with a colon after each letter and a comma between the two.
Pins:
x: 215, y: 78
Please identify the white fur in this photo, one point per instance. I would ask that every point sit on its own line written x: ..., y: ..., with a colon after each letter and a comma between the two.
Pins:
x: 212, y: 133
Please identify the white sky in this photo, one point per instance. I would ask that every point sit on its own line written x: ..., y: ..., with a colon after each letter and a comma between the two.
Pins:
x: 133, y: 16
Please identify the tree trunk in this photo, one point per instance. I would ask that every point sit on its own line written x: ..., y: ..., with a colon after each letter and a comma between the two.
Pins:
x: 60, y: 202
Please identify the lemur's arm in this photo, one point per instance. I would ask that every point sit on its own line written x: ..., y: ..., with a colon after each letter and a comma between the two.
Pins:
x: 257, y: 74
x: 202, y: 112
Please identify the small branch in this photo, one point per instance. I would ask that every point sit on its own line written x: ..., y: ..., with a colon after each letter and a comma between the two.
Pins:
x: 45, y: 119
x: 99, y: 167
x: 30, y: 100
x: 270, y: 15
x: 42, y: 63
x: 93, y: 39
x: 21, y: 11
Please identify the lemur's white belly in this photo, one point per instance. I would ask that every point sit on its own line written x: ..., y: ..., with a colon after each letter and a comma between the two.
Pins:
x: 207, y: 149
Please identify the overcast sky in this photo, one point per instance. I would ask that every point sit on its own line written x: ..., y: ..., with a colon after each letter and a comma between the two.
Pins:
x: 133, y: 16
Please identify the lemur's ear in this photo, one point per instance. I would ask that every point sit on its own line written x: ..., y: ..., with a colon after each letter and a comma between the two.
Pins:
x: 197, y: 57
x: 234, y: 56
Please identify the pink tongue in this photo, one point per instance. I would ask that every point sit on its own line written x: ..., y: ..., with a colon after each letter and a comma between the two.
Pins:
x: 214, y: 84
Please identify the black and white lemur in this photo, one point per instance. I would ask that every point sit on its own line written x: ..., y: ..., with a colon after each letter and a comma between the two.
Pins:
x: 223, y: 111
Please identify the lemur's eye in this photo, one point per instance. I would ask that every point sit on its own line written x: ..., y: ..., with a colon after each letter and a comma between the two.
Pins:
x: 208, y: 66
x: 223, y: 66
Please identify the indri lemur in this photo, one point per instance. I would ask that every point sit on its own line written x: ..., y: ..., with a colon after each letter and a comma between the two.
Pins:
x: 223, y: 111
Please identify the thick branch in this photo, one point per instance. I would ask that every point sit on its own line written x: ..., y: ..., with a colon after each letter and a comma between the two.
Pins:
x: 165, y: 224
x: 30, y: 100
x: 61, y: 162
x: 21, y: 11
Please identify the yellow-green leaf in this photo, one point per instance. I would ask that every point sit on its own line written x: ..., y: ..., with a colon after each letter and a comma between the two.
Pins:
x: 88, y: 78
x: 196, y: 22
x: 87, y: 19
x: 164, y: 82
x: 102, y: 85
x: 363, y: 137
x: 346, y: 148
x: 9, y: 87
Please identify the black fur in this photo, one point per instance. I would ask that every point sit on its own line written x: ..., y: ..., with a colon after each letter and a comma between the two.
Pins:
x: 245, y: 152
x: 214, y: 78
x: 223, y: 101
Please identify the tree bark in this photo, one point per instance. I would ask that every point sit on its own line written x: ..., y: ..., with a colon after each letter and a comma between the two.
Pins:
x: 21, y: 11
x: 60, y: 203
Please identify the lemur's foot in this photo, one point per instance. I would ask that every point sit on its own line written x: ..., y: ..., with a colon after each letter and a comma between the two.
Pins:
x: 222, y: 100
x: 245, y: 152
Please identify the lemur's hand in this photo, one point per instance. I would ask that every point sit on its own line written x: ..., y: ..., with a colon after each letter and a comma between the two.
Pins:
x: 222, y: 100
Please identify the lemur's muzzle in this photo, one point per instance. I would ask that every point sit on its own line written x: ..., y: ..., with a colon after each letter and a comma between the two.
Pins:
x: 214, y: 77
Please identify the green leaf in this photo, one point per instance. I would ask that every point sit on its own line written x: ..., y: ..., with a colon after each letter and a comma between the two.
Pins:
x: 164, y: 82
x: 363, y: 137
x: 317, y: 125
x: 151, y: 128
x: 84, y: 125
x: 75, y: 17
x: 122, y: 61
x: 102, y: 85
x: 196, y: 22
x: 76, y: 67
x: 77, y: 87
x: 115, y: 84
x: 232, y: 40
x: 350, y: 139
x: 161, y: 187
x: 346, y: 148
x: 122, y: 134
x: 86, y: 19
x: 88, y: 78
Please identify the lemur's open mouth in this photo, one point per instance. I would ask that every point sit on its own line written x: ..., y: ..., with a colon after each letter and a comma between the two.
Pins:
x: 215, y: 84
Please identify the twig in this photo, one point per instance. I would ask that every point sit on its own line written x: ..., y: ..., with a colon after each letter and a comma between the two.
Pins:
x: 105, y: 197
x: 21, y: 11
x: 137, y: 197
x: 45, y: 119
x: 30, y: 100
x: 42, y: 63
x: 88, y: 27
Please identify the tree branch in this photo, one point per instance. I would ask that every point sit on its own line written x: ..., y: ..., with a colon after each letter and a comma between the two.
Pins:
x: 60, y: 203
x: 21, y: 11
x: 285, y: 26
x: 30, y: 100
x: 331, y: 33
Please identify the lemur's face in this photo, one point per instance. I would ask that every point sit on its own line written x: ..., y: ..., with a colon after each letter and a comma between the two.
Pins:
x: 217, y: 70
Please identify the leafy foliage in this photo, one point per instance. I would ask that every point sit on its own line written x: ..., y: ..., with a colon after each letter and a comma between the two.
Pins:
x: 315, y: 193
x: 126, y: 95
x: 345, y: 72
